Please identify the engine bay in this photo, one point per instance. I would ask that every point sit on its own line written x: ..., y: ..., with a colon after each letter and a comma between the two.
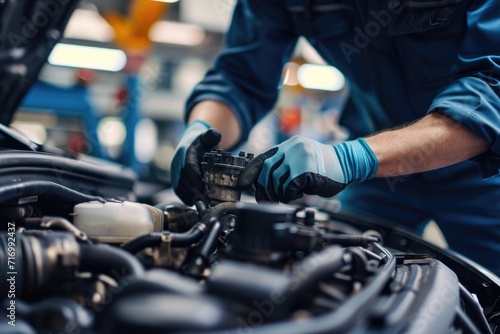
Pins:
x: 80, y: 263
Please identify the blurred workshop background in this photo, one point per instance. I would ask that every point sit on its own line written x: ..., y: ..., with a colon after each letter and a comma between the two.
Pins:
x: 115, y: 86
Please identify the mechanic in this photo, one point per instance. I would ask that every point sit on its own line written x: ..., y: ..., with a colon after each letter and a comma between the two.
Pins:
x: 424, y: 79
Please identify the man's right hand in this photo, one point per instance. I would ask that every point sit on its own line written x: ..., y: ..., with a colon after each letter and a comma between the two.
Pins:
x: 186, y: 174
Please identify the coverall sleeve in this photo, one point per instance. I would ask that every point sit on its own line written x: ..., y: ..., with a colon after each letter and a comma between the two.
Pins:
x: 473, y: 98
x: 246, y: 73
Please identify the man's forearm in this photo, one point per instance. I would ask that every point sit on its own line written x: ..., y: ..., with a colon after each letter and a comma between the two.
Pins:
x: 220, y: 117
x: 434, y: 141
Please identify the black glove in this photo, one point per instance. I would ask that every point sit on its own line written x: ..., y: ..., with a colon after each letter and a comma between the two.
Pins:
x: 186, y: 174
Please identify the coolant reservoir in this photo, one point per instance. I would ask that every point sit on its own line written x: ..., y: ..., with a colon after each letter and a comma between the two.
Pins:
x: 113, y: 222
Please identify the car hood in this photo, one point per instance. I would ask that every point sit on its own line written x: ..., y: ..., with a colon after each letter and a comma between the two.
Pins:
x: 29, y: 29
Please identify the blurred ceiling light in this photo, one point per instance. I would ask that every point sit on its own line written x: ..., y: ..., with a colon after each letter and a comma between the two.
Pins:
x: 177, y: 33
x: 290, y: 74
x: 88, y: 57
x: 320, y: 77
x: 146, y: 140
x: 111, y: 132
x: 88, y: 25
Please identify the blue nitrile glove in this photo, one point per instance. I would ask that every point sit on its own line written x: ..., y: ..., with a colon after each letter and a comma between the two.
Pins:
x: 303, y: 166
x: 186, y: 174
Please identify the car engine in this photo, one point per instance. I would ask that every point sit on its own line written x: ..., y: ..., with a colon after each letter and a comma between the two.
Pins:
x: 77, y: 262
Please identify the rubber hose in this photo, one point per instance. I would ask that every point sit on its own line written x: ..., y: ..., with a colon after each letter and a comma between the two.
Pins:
x: 196, y: 232
x: 55, y: 315
x: 343, y: 318
x: 32, y: 263
x: 154, y: 239
x: 312, y: 270
x: 26, y: 277
x: 218, y: 210
x: 149, y: 240
x: 15, y: 213
x: 111, y: 261
x: 210, y: 242
x: 188, y: 238
x: 43, y: 188
x: 184, y: 239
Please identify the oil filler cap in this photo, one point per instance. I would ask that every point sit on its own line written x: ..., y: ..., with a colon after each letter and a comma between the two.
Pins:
x: 221, y: 171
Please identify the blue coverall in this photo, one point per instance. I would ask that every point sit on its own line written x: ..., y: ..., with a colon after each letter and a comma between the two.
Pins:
x: 403, y: 59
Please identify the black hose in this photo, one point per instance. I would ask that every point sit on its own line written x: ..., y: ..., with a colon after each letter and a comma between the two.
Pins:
x: 37, y: 259
x: 184, y: 239
x: 155, y: 239
x: 201, y: 207
x: 110, y: 261
x: 15, y: 213
x: 341, y: 319
x: 195, y: 264
x: 210, y: 242
x: 196, y: 232
x: 44, y: 188
x: 55, y: 315
x: 33, y: 271
x: 347, y: 315
x: 218, y: 210
x: 188, y: 238
x: 38, y: 254
x: 307, y: 273
x: 149, y: 240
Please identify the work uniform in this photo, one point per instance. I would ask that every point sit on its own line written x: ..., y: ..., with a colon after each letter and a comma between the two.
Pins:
x: 403, y: 59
